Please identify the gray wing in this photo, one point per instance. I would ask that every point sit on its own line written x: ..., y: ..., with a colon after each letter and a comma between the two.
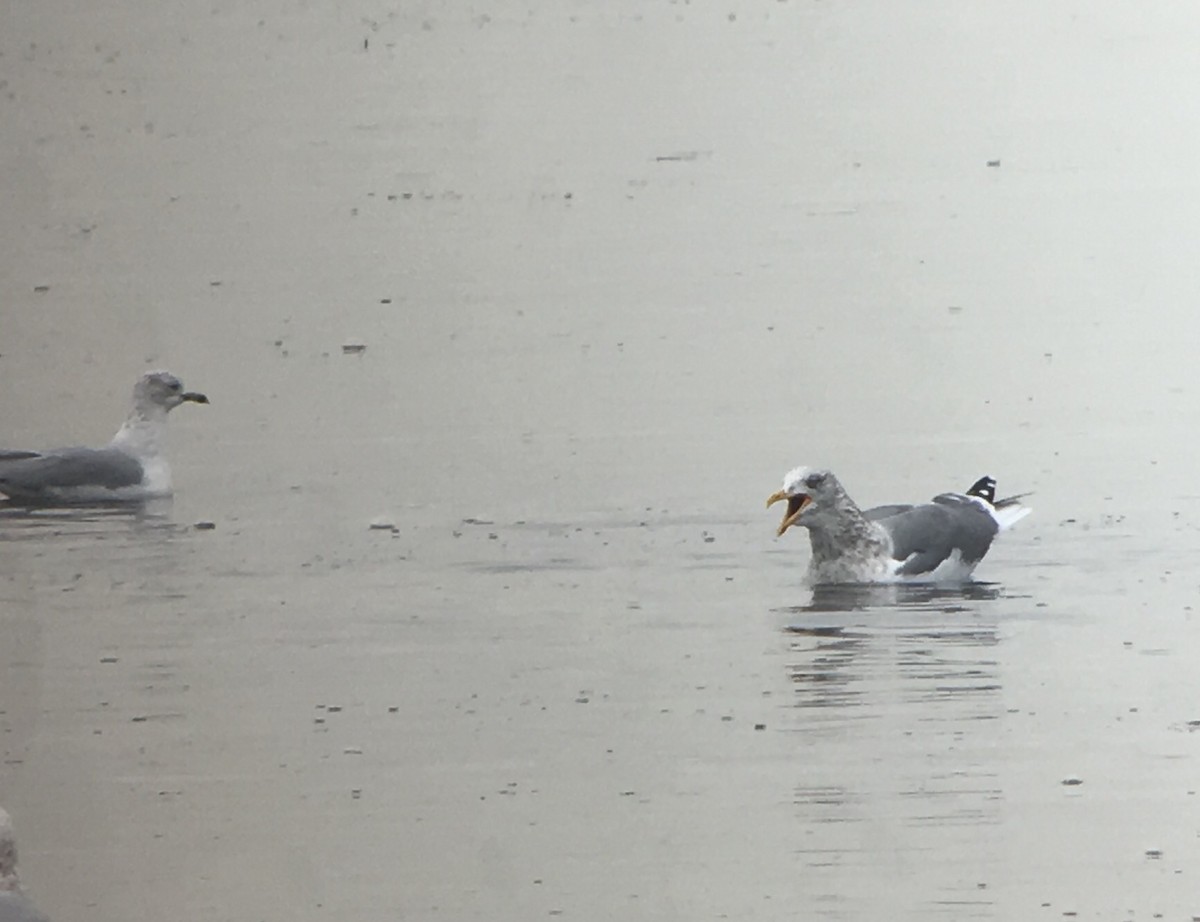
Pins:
x: 30, y: 474
x: 885, y: 512
x: 924, y: 536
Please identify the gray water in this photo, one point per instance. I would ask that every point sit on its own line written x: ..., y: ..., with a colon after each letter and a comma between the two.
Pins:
x: 616, y: 268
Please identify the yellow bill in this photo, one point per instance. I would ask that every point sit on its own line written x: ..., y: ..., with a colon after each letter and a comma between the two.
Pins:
x: 795, y: 505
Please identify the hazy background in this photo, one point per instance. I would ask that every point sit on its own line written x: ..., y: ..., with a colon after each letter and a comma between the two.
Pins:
x: 616, y: 267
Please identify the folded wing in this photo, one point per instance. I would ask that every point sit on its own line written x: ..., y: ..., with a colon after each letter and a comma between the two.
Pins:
x: 925, y: 536
x: 32, y: 474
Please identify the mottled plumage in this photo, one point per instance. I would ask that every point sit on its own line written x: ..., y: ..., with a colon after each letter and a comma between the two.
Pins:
x: 941, y: 540
x: 15, y: 906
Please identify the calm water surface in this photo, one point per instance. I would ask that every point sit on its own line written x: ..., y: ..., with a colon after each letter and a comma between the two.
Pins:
x: 615, y: 270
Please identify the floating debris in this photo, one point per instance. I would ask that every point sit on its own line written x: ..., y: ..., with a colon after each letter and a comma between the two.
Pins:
x: 683, y: 156
x: 353, y: 348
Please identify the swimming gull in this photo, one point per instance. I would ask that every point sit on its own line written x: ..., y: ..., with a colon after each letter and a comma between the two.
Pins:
x: 133, y: 466
x: 15, y: 906
x: 938, y: 541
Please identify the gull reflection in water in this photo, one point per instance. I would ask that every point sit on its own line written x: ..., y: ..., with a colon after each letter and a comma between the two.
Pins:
x: 899, y: 715
x: 848, y: 597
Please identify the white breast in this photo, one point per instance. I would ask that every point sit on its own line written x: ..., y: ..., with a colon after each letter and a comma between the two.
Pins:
x: 156, y: 477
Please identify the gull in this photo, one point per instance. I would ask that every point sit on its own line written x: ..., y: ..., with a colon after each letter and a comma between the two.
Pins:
x: 133, y: 466
x: 15, y: 906
x: 938, y: 541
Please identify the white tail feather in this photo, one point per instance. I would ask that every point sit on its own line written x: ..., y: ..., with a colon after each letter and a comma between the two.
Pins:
x: 1008, y: 512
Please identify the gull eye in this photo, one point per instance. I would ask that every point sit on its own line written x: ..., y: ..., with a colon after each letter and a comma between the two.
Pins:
x: 814, y: 480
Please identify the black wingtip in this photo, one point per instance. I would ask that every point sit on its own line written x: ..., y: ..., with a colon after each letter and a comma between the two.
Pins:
x: 984, y: 488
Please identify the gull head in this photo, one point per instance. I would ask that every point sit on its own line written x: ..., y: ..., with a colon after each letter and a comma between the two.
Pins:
x: 810, y: 493
x: 161, y: 390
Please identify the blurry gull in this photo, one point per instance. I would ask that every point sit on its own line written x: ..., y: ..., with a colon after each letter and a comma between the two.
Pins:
x: 132, y: 466
x: 938, y: 541
x: 15, y: 906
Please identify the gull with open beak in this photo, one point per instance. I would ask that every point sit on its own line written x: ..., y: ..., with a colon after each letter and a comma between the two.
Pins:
x: 939, y: 541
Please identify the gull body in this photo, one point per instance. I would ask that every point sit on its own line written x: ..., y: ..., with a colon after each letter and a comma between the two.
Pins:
x: 133, y: 466
x: 939, y: 541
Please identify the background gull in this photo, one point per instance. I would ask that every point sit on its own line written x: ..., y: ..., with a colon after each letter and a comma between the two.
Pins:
x: 938, y: 541
x: 133, y: 466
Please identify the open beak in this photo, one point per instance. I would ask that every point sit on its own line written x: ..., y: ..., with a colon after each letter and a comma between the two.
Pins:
x: 193, y: 397
x: 795, y: 505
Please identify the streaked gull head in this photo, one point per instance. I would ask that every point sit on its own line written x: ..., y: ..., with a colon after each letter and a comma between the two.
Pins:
x: 15, y: 906
x: 8, y: 855
x: 162, y: 391
x: 812, y: 494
